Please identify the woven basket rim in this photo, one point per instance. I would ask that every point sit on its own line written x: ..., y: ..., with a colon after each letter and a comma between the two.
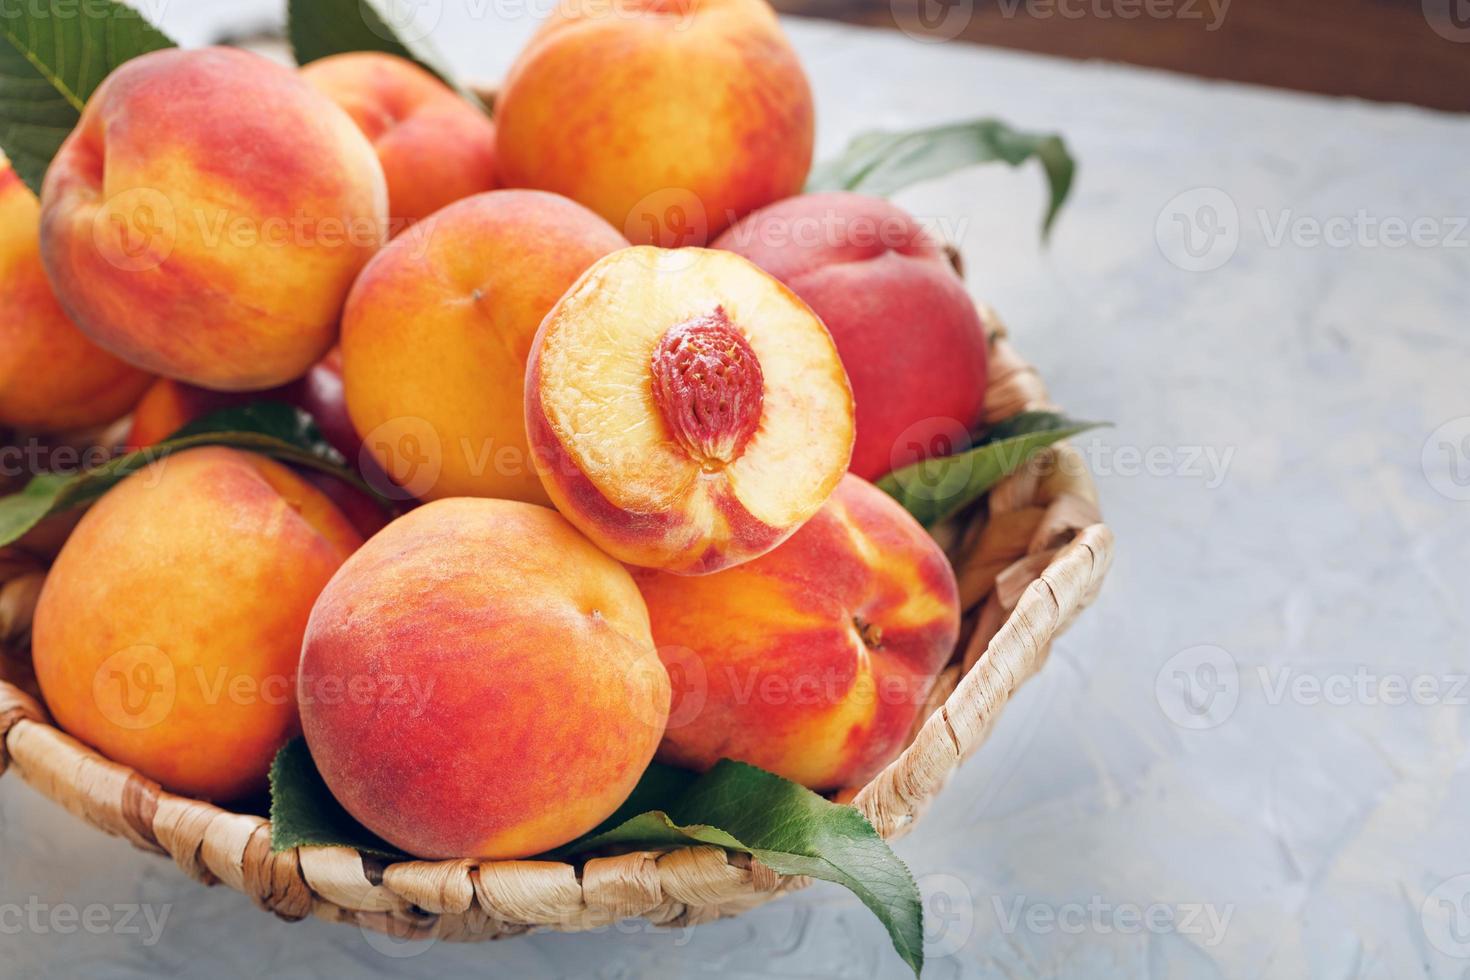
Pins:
x: 1031, y: 598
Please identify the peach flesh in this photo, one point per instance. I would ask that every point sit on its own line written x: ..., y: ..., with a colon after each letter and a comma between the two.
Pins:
x: 685, y: 410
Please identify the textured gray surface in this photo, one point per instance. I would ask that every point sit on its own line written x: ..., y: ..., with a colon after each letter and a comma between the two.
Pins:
x: 1291, y: 553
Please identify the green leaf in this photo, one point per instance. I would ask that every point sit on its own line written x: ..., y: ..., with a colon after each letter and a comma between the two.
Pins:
x: 882, y: 162
x: 322, y: 28
x: 53, y: 55
x: 787, y: 827
x: 792, y: 831
x: 278, y: 420
x: 935, y: 489
x: 305, y: 814
x: 271, y: 428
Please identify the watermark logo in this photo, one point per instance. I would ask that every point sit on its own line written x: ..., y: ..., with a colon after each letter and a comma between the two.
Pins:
x: 646, y: 687
x: 689, y: 683
x: 401, y: 20
x: 673, y: 217
x: 930, y: 443
x: 135, y: 687
x: 1361, y: 686
x: 1450, y: 19
x: 1199, y: 230
x: 408, y: 451
x: 1198, y: 688
x: 949, y: 914
x: 1445, y: 916
x: 1445, y: 459
x: 932, y: 21
x: 136, y: 229
x: 1099, y: 916
x: 396, y: 938
x: 38, y: 918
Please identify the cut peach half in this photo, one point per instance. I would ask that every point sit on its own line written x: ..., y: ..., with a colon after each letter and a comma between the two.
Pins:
x: 685, y: 410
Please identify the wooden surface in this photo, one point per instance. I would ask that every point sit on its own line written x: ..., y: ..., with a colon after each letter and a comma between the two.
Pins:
x: 1386, y: 50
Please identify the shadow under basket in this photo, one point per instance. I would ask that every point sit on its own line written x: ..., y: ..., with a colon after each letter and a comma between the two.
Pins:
x: 1029, y: 558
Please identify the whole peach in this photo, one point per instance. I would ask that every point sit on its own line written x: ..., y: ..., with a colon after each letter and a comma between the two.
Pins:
x: 811, y: 661
x: 479, y: 681
x: 434, y: 146
x: 670, y: 118
x: 52, y: 378
x: 169, y: 629
x: 909, y: 335
x: 207, y: 215
x: 437, y: 331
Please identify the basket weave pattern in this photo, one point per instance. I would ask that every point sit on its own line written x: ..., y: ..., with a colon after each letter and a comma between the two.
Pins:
x: 1028, y: 561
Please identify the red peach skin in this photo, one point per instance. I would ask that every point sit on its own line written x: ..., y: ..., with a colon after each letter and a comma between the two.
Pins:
x: 207, y: 216
x: 909, y: 335
x: 811, y: 661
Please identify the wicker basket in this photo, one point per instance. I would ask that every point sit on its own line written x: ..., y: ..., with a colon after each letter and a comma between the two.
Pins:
x: 1028, y: 561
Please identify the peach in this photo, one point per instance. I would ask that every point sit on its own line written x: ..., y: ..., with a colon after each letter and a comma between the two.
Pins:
x: 437, y: 331
x: 670, y: 118
x: 814, y: 660
x: 52, y: 378
x: 207, y: 216
x: 479, y: 681
x: 168, y: 633
x: 910, y: 337
x: 685, y: 410
x: 434, y: 146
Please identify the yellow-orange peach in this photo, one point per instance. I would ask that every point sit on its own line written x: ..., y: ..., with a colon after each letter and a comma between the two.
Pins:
x: 686, y: 410
x: 434, y: 146
x: 811, y: 661
x: 207, y: 215
x: 52, y: 377
x: 479, y: 681
x: 670, y: 118
x: 168, y: 633
x: 437, y: 331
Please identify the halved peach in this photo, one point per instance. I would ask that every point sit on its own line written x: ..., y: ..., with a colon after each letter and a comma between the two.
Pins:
x: 685, y: 410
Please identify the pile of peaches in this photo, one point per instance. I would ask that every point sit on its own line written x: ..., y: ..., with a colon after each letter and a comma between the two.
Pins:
x: 631, y: 514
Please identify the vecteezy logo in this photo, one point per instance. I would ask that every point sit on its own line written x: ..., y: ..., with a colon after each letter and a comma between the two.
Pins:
x: 949, y: 914
x: 938, y: 446
x: 401, y: 20
x: 1445, y: 916
x: 135, y: 687
x: 1445, y: 459
x: 135, y: 230
x: 673, y: 217
x: 396, y: 938
x: 1450, y: 19
x: 1199, y: 230
x: 689, y: 685
x: 932, y: 20
x: 1198, y: 688
x: 408, y: 450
